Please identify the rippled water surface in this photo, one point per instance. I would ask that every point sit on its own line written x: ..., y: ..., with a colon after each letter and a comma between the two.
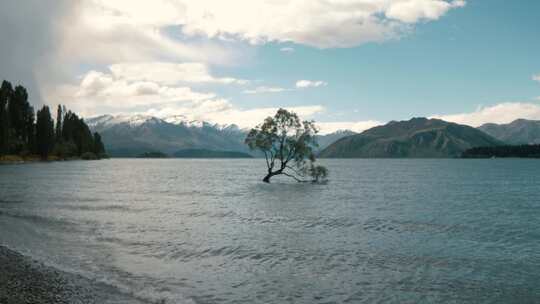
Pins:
x: 208, y: 231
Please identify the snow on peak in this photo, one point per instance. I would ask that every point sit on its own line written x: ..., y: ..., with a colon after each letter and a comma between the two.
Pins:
x: 98, y: 120
x: 183, y: 120
x: 107, y: 121
x: 176, y: 119
x: 131, y: 120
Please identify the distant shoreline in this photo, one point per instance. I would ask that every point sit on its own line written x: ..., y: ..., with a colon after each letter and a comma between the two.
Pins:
x: 19, y: 160
x: 25, y: 280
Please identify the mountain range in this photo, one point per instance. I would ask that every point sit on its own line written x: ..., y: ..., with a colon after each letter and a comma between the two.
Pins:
x: 129, y: 136
x: 177, y: 136
x: 518, y: 132
x: 418, y: 137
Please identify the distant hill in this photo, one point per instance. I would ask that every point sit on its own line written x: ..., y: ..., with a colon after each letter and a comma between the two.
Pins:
x: 415, y: 138
x: 135, y: 135
x: 328, y: 139
x: 203, y: 153
x: 518, y: 132
x: 154, y: 154
x: 130, y: 136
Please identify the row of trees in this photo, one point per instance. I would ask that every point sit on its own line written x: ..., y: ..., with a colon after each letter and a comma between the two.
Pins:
x: 24, y: 133
x: 525, y: 151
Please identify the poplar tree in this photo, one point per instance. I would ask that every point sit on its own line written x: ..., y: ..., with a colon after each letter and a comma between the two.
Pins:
x: 44, y: 132
x: 6, y: 91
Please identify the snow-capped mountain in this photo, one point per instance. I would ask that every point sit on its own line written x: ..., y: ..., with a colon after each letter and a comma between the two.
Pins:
x: 104, y: 121
x: 131, y: 135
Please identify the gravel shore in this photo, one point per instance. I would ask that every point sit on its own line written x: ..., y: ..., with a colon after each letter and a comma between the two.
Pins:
x: 23, y: 280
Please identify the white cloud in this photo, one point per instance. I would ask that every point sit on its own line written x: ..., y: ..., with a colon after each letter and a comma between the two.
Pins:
x: 287, y: 49
x: 169, y: 73
x: 249, y: 118
x: 536, y: 77
x: 253, y: 117
x: 226, y: 114
x: 102, y: 93
x: 154, y: 49
x: 110, y: 93
x: 500, y: 113
x: 310, y: 83
x: 263, y: 89
x: 319, y: 23
x: 121, y: 93
x: 100, y: 31
x: 357, y: 126
x: 412, y: 11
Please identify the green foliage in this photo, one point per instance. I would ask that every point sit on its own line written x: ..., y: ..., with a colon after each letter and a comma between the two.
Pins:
x: 17, y: 132
x: 65, y: 150
x: 89, y: 156
x: 44, y: 132
x: 75, y: 130
x: 318, y: 173
x: 5, y: 95
x: 59, y: 120
x: 99, y: 148
x: 21, y: 134
x: 17, y: 104
x: 287, y: 143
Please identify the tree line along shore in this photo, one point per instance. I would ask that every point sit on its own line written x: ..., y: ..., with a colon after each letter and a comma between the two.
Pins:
x: 26, y: 135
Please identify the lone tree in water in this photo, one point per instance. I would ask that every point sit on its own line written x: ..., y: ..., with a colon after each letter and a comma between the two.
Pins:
x: 287, y: 144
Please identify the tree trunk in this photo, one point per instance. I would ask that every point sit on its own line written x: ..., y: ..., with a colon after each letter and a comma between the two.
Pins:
x: 266, y: 179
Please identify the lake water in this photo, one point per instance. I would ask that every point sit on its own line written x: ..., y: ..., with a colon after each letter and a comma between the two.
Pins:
x: 208, y: 231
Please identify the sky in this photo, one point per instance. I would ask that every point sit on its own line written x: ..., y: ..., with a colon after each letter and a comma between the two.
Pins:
x: 347, y: 64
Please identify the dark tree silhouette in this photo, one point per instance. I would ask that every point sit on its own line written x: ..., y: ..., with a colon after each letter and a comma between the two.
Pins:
x: 59, y: 120
x: 523, y: 151
x: 287, y: 144
x: 44, y: 132
x: 22, y: 135
x: 29, y: 129
x: 6, y: 91
x: 99, y: 148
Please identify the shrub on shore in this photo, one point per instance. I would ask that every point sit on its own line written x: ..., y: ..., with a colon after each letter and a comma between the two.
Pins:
x: 89, y: 156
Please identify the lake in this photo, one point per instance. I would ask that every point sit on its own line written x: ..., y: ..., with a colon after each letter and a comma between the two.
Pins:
x: 209, y: 231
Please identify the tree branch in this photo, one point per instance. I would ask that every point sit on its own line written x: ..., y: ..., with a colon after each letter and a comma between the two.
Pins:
x: 266, y: 157
x: 295, y: 178
x: 296, y: 171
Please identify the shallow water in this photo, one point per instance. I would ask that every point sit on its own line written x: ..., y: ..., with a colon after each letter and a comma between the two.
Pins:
x: 208, y: 231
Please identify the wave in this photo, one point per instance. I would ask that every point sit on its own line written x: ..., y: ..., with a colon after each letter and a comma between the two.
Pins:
x: 39, y: 219
x: 123, y: 208
x: 9, y: 202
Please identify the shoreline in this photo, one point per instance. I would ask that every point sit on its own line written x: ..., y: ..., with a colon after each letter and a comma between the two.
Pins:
x: 19, y: 160
x: 25, y: 280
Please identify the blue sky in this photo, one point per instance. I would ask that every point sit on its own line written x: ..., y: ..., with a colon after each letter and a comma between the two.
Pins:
x: 481, y: 55
x: 348, y: 64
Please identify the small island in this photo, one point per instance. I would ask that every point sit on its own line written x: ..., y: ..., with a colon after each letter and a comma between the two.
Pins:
x: 205, y: 153
x: 153, y: 154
